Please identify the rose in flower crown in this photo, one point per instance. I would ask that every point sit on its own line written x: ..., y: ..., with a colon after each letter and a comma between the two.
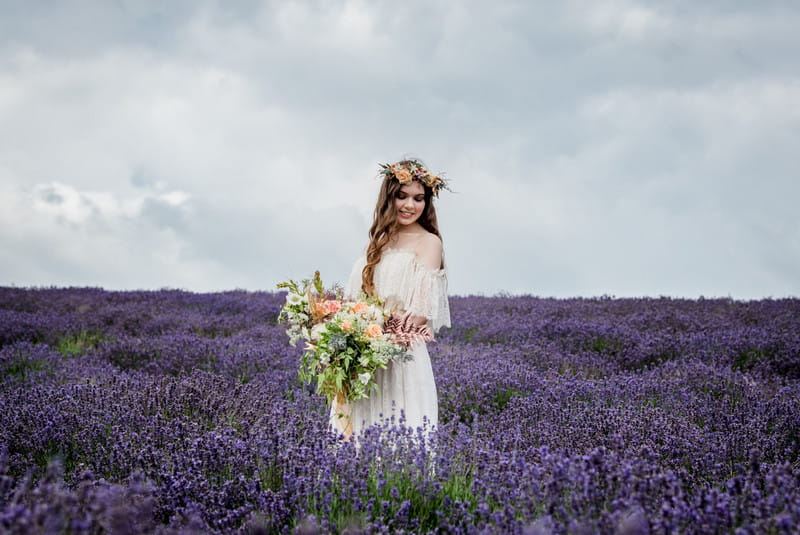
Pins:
x: 411, y: 170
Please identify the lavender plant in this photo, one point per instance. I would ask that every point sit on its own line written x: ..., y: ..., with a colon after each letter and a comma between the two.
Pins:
x: 175, y: 412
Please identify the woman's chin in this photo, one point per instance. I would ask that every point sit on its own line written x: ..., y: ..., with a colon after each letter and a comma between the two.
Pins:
x: 406, y: 221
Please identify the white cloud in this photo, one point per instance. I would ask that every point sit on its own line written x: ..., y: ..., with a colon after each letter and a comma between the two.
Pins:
x: 626, y: 20
x: 621, y: 148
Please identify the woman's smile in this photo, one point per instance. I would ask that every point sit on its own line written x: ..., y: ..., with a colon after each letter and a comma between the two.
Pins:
x: 409, y: 203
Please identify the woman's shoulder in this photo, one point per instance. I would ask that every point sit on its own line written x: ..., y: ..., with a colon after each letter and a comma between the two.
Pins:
x: 429, y: 240
x: 429, y: 250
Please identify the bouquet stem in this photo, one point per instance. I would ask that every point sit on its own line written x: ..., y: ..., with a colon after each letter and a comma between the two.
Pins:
x: 343, y: 414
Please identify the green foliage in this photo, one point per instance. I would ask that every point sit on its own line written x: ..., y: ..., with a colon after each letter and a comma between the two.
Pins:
x: 747, y: 358
x: 424, y: 504
x: 398, y: 490
x: 78, y: 344
x: 22, y: 368
x: 271, y: 475
x: 606, y: 344
x: 62, y: 454
x: 470, y: 334
x: 471, y: 404
x: 503, y: 396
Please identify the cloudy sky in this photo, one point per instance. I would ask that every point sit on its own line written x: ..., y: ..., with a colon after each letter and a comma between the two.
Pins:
x: 620, y: 147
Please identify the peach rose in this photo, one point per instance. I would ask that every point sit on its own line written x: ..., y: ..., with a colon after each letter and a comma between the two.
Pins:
x: 347, y: 325
x: 332, y: 306
x: 403, y: 176
x: 373, y: 330
x: 360, y: 308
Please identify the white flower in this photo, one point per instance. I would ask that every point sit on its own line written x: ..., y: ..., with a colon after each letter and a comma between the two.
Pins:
x: 316, y: 330
x: 364, y: 377
x: 294, y: 299
x: 374, y: 314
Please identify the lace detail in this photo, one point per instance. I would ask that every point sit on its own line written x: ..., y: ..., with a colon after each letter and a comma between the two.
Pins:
x: 400, y: 277
x: 406, y: 387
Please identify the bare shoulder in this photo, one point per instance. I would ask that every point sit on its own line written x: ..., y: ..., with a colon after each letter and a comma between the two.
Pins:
x: 429, y: 250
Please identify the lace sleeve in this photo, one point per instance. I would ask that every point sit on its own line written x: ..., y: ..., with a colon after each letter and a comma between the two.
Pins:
x: 402, y: 280
x: 419, y: 289
x: 427, y: 296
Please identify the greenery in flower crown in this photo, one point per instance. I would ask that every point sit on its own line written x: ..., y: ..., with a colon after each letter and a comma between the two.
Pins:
x: 414, y: 170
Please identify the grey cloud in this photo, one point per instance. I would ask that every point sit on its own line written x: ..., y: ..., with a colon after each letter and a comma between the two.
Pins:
x: 142, y: 178
x: 51, y: 196
x: 661, y: 137
x: 163, y: 214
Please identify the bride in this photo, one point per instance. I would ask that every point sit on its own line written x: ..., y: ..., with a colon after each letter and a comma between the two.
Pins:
x: 404, y: 267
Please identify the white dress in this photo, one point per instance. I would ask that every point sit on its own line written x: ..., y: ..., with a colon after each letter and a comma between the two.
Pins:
x: 406, y: 387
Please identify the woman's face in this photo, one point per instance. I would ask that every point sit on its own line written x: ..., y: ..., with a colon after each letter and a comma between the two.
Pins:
x: 409, y: 203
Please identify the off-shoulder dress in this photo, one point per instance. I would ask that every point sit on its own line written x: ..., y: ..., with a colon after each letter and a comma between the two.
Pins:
x: 406, y: 388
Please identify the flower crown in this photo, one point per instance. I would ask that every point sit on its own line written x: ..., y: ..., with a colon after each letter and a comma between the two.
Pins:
x: 414, y: 171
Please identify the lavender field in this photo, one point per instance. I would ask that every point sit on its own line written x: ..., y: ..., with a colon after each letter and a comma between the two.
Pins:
x: 176, y: 412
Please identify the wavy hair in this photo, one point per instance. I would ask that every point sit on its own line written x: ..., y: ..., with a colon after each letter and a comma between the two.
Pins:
x: 384, y: 224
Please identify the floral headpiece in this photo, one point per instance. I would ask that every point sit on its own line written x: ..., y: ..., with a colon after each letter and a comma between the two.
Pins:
x: 414, y: 171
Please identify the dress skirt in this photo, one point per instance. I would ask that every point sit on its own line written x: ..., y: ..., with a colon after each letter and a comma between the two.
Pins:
x: 407, y: 393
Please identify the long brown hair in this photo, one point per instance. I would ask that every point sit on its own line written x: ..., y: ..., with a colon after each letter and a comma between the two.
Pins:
x: 384, y: 224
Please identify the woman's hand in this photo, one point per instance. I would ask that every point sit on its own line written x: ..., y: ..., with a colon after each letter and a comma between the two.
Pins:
x: 408, y: 329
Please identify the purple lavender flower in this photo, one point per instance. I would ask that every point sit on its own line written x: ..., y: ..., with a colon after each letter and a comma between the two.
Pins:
x: 174, y: 412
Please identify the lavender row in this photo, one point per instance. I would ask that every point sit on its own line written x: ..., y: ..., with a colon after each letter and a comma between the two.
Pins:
x: 633, y: 334
x: 174, y: 412
x: 627, y: 334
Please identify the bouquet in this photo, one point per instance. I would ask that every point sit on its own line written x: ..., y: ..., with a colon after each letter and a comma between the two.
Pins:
x: 346, y: 341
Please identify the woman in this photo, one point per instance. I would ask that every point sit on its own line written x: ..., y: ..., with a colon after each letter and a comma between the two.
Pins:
x: 403, y: 266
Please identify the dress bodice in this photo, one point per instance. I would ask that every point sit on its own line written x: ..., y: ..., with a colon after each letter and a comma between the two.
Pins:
x: 401, y: 278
